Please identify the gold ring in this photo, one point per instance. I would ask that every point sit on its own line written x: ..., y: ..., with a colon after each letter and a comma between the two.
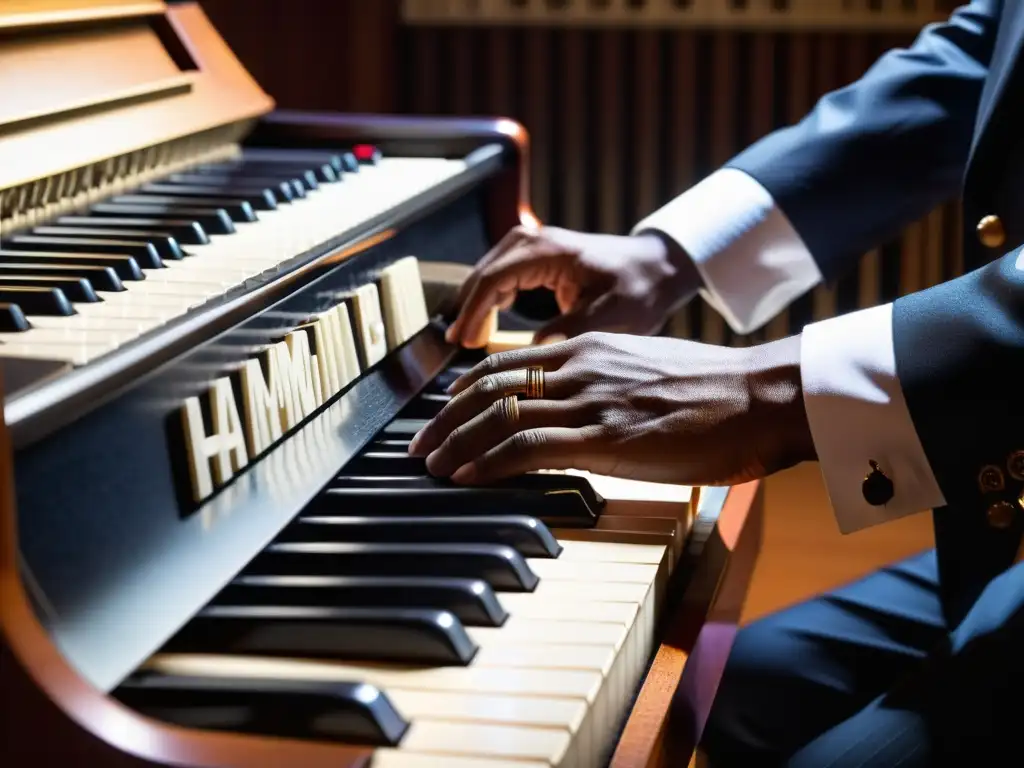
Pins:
x: 534, y: 382
x: 509, y: 406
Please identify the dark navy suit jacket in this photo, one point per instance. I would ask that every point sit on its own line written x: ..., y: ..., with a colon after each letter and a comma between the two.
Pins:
x: 941, y: 119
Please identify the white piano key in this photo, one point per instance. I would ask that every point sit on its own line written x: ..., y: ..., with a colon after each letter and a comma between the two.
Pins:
x: 570, y: 684
x: 437, y: 737
x: 584, y: 570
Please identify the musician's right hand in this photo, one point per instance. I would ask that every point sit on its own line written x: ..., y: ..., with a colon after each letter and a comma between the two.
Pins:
x: 601, y: 283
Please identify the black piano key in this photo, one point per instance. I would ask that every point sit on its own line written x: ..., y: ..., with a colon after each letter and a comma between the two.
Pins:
x: 471, y: 600
x: 243, y: 171
x: 239, y: 210
x: 261, y: 199
x: 38, y: 301
x: 445, y: 379
x: 388, y: 463
x: 126, y: 267
x: 395, y: 496
x: 215, y: 221
x: 166, y: 246
x: 538, y: 484
x: 12, y: 319
x: 339, y: 161
x: 186, y: 230
x: 349, y: 712
x: 76, y: 289
x: 405, y: 635
x: 426, y: 406
x: 526, y: 535
x: 100, y: 278
x: 501, y: 567
x: 349, y: 162
x: 144, y: 254
x: 287, y: 190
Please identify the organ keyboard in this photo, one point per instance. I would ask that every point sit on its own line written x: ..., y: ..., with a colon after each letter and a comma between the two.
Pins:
x: 216, y: 341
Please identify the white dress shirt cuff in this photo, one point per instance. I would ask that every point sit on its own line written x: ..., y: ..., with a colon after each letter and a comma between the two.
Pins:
x: 751, y: 259
x: 857, y: 414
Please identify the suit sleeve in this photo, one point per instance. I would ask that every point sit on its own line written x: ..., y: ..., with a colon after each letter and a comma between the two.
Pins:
x: 959, y: 351
x: 868, y: 159
x: 929, y: 388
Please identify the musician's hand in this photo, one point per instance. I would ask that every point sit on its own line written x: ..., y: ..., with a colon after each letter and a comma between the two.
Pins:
x: 601, y: 282
x: 656, y: 409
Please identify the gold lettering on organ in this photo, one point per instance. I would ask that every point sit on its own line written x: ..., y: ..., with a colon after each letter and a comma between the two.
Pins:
x: 292, y: 378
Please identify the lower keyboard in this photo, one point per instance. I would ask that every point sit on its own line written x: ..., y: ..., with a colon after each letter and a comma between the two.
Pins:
x: 439, y: 625
x: 549, y: 686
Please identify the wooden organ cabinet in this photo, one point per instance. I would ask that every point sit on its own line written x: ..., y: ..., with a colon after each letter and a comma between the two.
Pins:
x: 220, y: 325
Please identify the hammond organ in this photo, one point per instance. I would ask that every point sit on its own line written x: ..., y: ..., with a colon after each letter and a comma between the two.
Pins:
x: 217, y: 336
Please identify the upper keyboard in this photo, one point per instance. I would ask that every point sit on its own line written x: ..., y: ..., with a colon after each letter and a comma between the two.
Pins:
x: 80, y: 286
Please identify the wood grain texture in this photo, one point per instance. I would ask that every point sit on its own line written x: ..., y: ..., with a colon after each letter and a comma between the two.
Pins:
x: 15, y: 14
x: 65, y: 137
x: 672, y: 706
x: 804, y: 554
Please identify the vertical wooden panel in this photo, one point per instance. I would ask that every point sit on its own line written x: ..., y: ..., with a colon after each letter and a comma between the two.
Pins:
x: 535, y: 83
x: 575, y: 133
x: 723, y: 132
x: 425, y: 72
x: 798, y: 101
x: 463, y: 43
x: 869, y: 274
x: 935, y: 245
x: 648, y: 88
x: 369, y: 44
x: 760, y: 120
x: 499, y: 84
x: 954, y: 236
x: 911, y: 266
x: 609, y: 112
x: 681, y: 105
x: 825, y: 80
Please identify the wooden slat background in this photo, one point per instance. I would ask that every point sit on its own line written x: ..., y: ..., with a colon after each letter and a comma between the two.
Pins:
x: 621, y: 119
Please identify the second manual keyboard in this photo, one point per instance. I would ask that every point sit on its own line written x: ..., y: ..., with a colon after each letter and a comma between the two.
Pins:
x: 83, y: 285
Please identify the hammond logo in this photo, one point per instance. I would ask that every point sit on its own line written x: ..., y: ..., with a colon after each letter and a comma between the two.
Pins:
x: 289, y: 381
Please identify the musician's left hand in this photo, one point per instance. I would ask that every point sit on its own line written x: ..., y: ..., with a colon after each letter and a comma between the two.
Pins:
x: 658, y: 409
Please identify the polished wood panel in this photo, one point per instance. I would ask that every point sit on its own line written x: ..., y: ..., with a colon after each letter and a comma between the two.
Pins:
x: 803, y: 554
x: 111, y: 109
x: 671, y: 709
x: 21, y: 14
